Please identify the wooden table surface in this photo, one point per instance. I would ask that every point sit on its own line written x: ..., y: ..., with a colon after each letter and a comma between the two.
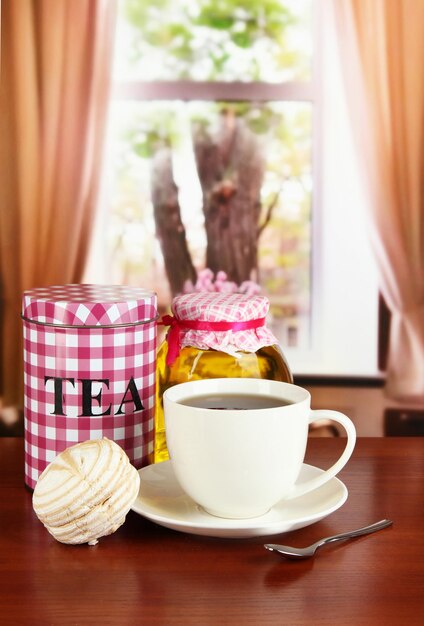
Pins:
x: 145, y: 574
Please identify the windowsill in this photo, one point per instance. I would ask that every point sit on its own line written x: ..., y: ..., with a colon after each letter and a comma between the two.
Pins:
x: 339, y: 380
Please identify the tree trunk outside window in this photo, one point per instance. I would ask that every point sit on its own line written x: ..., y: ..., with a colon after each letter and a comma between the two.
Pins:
x: 231, y: 169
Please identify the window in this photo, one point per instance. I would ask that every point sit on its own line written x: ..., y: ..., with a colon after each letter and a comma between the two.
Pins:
x: 215, y: 160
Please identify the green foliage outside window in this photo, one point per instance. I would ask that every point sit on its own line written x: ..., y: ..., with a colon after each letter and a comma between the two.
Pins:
x: 218, y: 39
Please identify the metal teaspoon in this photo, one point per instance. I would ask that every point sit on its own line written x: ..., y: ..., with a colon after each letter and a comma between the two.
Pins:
x: 305, y: 553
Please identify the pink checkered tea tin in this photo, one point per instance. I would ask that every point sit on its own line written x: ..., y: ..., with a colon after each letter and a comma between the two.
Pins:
x: 89, y: 370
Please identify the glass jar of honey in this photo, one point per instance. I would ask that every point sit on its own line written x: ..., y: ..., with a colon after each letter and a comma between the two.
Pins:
x: 215, y: 335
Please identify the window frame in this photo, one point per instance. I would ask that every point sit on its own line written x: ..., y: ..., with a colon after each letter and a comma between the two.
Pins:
x: 187, y: 90
x: 258, y: 91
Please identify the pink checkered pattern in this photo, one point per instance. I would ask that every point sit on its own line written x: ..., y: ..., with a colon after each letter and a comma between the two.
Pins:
x: 216, y: 307
x: 106, y: 358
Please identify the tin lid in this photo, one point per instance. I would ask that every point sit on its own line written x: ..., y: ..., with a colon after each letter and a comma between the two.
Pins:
x: 216, y: 307
x: 89, y: 305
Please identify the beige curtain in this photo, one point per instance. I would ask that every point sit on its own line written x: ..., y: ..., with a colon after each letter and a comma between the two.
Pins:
x: 382, y: 48
x: 56, y: 67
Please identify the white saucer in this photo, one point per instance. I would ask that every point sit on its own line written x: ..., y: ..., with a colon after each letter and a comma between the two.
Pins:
x: 162, y: 500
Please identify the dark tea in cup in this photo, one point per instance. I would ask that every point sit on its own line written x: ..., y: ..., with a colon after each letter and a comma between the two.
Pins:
x: 235, y: 401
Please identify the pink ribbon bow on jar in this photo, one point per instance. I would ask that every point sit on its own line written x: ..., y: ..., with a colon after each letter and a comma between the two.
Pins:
x: 176, y: 326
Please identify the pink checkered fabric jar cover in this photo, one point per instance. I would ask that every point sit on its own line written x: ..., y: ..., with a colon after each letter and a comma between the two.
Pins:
x: 219, y: 307
x: 89, y: 370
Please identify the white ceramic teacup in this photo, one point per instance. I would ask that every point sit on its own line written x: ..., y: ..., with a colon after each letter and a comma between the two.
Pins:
x: 239, y: 463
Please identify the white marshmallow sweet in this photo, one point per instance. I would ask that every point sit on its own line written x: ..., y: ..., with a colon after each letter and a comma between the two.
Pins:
x: 86, y: 492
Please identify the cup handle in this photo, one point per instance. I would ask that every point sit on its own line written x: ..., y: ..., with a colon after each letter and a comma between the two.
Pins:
x: 314, y: 483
